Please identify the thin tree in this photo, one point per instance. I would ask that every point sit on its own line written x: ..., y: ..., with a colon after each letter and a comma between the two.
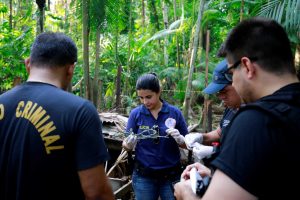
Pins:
x: 85, y: 41
x: 242, y: 10
x: 40, y: 24
x: 143, y: 13
x: 166, y: 39
x: 126, y: 89
x: 176, y: 37
x: 10, y: 14
x: 187, y: 99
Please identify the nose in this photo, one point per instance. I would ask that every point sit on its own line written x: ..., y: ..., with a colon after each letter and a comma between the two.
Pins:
x: 221, y: 96
x: 144, y: 101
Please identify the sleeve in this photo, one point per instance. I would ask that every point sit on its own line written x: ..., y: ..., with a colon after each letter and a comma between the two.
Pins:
x: 181, y: 125
x: 246, y: 149
x: 90, y: 146
x: 131, y: 124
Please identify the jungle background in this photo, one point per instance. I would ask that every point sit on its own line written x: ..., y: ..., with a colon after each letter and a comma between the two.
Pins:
x: 119, y: 40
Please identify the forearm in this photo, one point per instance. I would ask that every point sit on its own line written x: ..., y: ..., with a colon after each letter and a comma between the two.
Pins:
x: 213, y: 136
x: 95, y: 183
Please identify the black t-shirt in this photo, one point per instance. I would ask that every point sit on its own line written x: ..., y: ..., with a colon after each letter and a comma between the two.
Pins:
x: 260, y: 152
x: 46, y: 136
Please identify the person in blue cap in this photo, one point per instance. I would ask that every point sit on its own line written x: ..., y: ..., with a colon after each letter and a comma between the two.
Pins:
x: 220, y: 85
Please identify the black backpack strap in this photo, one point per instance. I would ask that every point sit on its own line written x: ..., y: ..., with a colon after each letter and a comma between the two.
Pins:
x: 284, y: 113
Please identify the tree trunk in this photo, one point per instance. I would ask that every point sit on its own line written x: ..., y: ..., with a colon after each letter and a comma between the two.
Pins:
x: 10, y: 14
x: 85, y: 36
x: 166, y: 25
x: 143, y: 13
x: 207, y: 113
x: 154, y: 14
x: 127, y: 86
x: 100, y: 102
x: 66, y: 24
x: 97, y: 68
x: 118, y: 89
x: 242, y: 10
x: 207, y: 121
x: 192, y: 63
x: 176, y: 37
x: 184, y: 52
x: 118, y: 75
x: 49, y: 3
x: 41, y: 7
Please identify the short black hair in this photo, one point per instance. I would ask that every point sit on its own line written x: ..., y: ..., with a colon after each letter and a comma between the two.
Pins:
x: 53, y: 50
x: 263, y: 39
x: 148, y: 82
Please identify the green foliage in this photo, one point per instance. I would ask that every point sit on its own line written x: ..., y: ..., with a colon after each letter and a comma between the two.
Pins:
x: 14, y: 48
x: 286, y: 12
x: 146, y: 39
x: 3, y: 8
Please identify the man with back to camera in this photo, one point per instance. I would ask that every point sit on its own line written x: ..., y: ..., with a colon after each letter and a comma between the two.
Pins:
x: 259, y: 157
x: 222, y: 87
x: 51, y: 143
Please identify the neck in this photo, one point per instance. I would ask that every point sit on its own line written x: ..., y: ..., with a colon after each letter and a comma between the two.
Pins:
x: 158, y: 106
x: 50, y: 76
x: 272, y: 83
x: 156, y: 110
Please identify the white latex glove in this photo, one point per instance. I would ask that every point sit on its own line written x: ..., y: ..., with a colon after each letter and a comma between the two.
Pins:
x: 192, y: 138
x: 176, y: 135
x: 130, y: 142
x: 202, y: 151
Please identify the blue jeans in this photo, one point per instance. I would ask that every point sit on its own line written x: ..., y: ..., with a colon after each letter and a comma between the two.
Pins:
x: 146, y: 188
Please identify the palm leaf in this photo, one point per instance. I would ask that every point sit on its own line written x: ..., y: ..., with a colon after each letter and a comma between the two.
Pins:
x: 285, y: 12
x: 175, y: 24
x: 160, y: 34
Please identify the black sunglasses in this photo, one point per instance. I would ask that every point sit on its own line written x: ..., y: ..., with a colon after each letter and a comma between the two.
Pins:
x: 228, y: 73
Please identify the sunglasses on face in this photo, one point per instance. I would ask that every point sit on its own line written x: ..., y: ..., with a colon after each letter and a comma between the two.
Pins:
x: 229, y: 72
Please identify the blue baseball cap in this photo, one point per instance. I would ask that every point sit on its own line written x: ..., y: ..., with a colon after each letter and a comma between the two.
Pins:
x: 219, y: 80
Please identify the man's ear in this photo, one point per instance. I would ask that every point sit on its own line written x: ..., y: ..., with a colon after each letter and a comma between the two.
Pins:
x: 249, y: 67
x: 71, y: 69
x: 27, y: 65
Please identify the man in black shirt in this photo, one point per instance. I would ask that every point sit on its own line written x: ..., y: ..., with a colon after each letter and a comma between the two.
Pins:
x: 259, y: 157
x: 51, y: 143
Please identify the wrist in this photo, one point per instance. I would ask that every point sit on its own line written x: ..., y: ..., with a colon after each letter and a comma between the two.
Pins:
x: 199, y: 138
x: 180, y: 140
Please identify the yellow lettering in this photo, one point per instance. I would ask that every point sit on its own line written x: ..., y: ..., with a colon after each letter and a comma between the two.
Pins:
x: 144, y: 127
x: 50, y: 139
x: 37, y: 115
x: 44, y: 130
x: 25, y: 111
x: 1, y: 111
x: 31, y: 111
x: 42, y: 121
x: 49, y: 149
x: 18, y: 111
